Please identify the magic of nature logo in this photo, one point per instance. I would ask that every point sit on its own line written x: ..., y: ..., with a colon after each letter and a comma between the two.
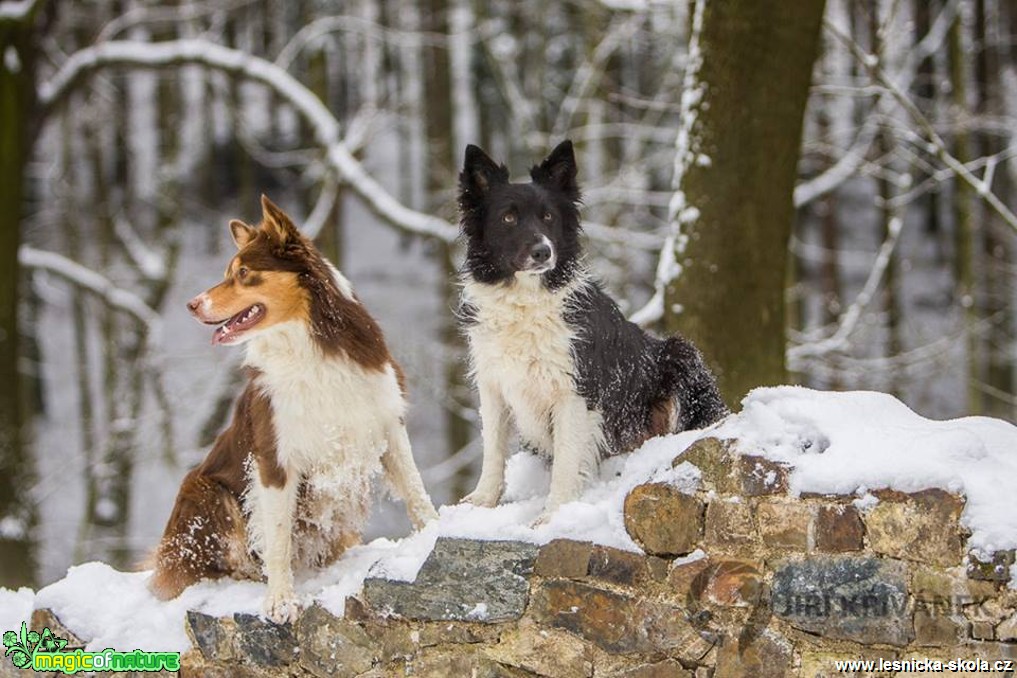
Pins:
x: 46, y: 652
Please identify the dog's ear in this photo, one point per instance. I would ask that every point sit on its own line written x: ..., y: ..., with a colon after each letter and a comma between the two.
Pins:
x: 242, y: 233
x: 276, y: 222
x: 558, y: 171
x: 479, y: 174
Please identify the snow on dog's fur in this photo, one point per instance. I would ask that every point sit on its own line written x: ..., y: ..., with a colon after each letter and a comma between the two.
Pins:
x: 548, y: 347
x: 322, y: 414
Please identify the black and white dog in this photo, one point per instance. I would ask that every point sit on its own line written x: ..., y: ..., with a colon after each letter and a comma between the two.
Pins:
x: 549, y: 347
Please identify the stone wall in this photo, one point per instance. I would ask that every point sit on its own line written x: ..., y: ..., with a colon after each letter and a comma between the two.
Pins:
x: 775, y: 586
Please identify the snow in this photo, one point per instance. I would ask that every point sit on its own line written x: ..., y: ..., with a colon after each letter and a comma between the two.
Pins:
x: 479, y: 612
x: 850, y: 443
x: 845, y: 443
x: 15, y: 607
x: 17, y: 10
x: 12, y: 62
x: 114, y: 609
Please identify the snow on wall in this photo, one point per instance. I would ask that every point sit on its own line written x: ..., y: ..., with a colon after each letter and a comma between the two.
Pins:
x: 836, y: 443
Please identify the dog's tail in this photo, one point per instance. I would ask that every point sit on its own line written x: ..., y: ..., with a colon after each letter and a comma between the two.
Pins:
x: 692, y: 384
x: 205, y: 538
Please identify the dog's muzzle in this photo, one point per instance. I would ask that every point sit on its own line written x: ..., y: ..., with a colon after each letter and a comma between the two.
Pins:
x: 540, y: 258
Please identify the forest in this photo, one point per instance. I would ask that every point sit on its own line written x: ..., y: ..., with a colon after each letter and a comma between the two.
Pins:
x: 821, y: 194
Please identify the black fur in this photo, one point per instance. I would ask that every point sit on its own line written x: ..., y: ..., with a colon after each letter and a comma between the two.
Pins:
x: 627, y: 375
x: 493, y: 249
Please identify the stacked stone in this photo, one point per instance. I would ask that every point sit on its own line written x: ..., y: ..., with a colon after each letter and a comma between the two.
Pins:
x: 741, y: 579
x: 792, y: 583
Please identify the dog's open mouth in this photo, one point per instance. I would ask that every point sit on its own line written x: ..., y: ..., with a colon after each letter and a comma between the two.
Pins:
x: 231, y: 330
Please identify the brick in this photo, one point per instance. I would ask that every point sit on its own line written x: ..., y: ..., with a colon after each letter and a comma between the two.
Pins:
x: 729, y: 523
x: 663, y: 520
x: 716, y: 460
x: 922, y: 527
x: 615, y: 622
x: 759, y: 476
x: 938, y: 630
x: 784, y: 525
x: 839, y: 529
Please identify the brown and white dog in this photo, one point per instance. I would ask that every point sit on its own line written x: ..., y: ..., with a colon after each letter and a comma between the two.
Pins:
x: 289, y: 482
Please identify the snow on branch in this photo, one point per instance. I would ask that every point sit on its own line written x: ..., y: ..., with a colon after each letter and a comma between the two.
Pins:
x: 591, y: 71
x: 639, y: 240
x: 348, y: 170
x: 679, y: 213
x: 18, y: 10
x: 838, y: 341
x: 313, y: 32
x: 842, y: 170
x: 326, y: 128
x: 151, y: 263
x: 178, y: 13
x: 97, y: 284
x: 937, y: 145
x: 319, y: 216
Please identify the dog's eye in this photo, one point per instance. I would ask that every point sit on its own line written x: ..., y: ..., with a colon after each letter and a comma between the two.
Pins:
x: 242, y: 272
x: 509, y: 217
x: 548, y: 216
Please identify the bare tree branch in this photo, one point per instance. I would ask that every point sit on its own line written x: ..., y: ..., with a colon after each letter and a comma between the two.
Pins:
x: 350, y: 171
x: 97, y: 284
x: 338, y: 156
x: 849, y: 320
x: 592, y: 68
x: 842, y: 170
x: 150, y: 263
x: 147, y: 14
x: 937, y: 145
x: 19, y: 10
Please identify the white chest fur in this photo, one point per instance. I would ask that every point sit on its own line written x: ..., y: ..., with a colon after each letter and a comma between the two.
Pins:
x: 521, y: 346
x: 325, y: 410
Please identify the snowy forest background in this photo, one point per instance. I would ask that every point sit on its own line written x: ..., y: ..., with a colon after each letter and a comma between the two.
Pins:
x: 901, y: 277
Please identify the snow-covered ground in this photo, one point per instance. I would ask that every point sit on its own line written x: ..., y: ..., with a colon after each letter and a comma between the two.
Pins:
x: 837, y: 442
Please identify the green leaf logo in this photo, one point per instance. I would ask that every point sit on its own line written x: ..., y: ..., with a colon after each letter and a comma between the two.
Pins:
x: 22, y: 647
x: 19, y: 648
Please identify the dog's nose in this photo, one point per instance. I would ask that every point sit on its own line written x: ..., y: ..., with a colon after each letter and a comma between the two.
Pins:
x: 193, y: 304
x: 541, y: 252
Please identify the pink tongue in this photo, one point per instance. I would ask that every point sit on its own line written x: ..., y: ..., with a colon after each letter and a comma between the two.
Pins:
x: 223, y: 334
x: 219, y: 336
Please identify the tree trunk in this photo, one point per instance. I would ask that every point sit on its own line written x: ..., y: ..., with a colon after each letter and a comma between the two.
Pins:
x: 964, y: 219
x: 735, y: 172
x: 887, y: 213
x: 998, y: 390
x: 17, y: 132
x: 442, y: 161
x: 926, y: 98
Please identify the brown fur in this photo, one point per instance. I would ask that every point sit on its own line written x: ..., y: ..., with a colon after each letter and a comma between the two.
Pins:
x: 662, y: 421
x: 276, y: 266
x: 297, y: 272
x: 206, y: 535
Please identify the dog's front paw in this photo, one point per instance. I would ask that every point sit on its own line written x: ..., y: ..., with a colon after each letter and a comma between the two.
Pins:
x: 422, y: 515
x: 543, y: 519
x: 483, y: 496
x: 282, y: 607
